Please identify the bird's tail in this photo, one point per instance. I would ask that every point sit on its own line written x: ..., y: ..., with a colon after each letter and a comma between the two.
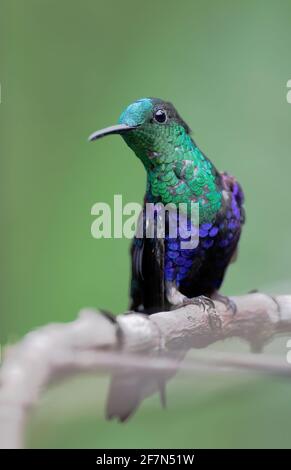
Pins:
x: 127, y: 391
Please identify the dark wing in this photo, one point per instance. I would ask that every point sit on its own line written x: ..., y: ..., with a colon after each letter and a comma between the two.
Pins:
x: 147, y: 265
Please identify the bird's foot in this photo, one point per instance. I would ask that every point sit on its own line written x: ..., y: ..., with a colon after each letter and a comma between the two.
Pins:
x: 208, y: 306
x: 229, y: 304
x: 177, y: 300
x: 202, y: 301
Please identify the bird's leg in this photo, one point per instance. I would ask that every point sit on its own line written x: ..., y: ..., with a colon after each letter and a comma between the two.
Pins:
x: 176, y: 300
x: 230, y: 304
x: 174, y: 297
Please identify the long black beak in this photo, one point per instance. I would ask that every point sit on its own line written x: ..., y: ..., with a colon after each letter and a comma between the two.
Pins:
x: 118, y: 129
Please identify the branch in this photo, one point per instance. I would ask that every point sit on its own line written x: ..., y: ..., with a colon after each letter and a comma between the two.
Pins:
x: 155, y: 344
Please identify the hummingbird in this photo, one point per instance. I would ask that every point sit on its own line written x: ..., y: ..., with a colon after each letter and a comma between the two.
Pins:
x: 164, y: 274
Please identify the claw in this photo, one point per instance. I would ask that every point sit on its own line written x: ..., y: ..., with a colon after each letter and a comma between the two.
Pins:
x: 230, y: 304
x: 208, y: 306
x: 201, y: 301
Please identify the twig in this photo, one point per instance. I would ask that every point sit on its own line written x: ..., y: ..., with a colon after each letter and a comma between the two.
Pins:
x: 92, y: 342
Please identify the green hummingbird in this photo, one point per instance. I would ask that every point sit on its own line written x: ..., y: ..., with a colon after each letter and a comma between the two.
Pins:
x: 166, y: 275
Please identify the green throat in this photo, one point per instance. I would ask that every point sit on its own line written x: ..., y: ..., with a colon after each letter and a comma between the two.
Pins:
x: 177, y: 171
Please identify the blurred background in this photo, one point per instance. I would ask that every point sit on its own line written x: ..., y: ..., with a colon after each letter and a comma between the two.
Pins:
x: 68, y: 68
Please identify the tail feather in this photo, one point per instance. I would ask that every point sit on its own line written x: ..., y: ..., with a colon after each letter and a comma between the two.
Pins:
x: 127, y: 391
x: 123, y: 398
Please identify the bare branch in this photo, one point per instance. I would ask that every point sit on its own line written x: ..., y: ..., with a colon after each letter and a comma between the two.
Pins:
x: 94, y: 343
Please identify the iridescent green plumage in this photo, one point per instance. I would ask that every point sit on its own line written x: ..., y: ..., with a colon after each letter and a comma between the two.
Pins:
x: 177, y: 171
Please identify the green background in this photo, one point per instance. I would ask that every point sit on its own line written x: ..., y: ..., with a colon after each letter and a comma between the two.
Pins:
x: 69, y: 68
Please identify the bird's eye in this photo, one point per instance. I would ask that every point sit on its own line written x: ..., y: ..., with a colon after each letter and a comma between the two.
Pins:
x: 160, y: 116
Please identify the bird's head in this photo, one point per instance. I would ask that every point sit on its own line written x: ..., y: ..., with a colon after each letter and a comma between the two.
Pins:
x: 151, y: 127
